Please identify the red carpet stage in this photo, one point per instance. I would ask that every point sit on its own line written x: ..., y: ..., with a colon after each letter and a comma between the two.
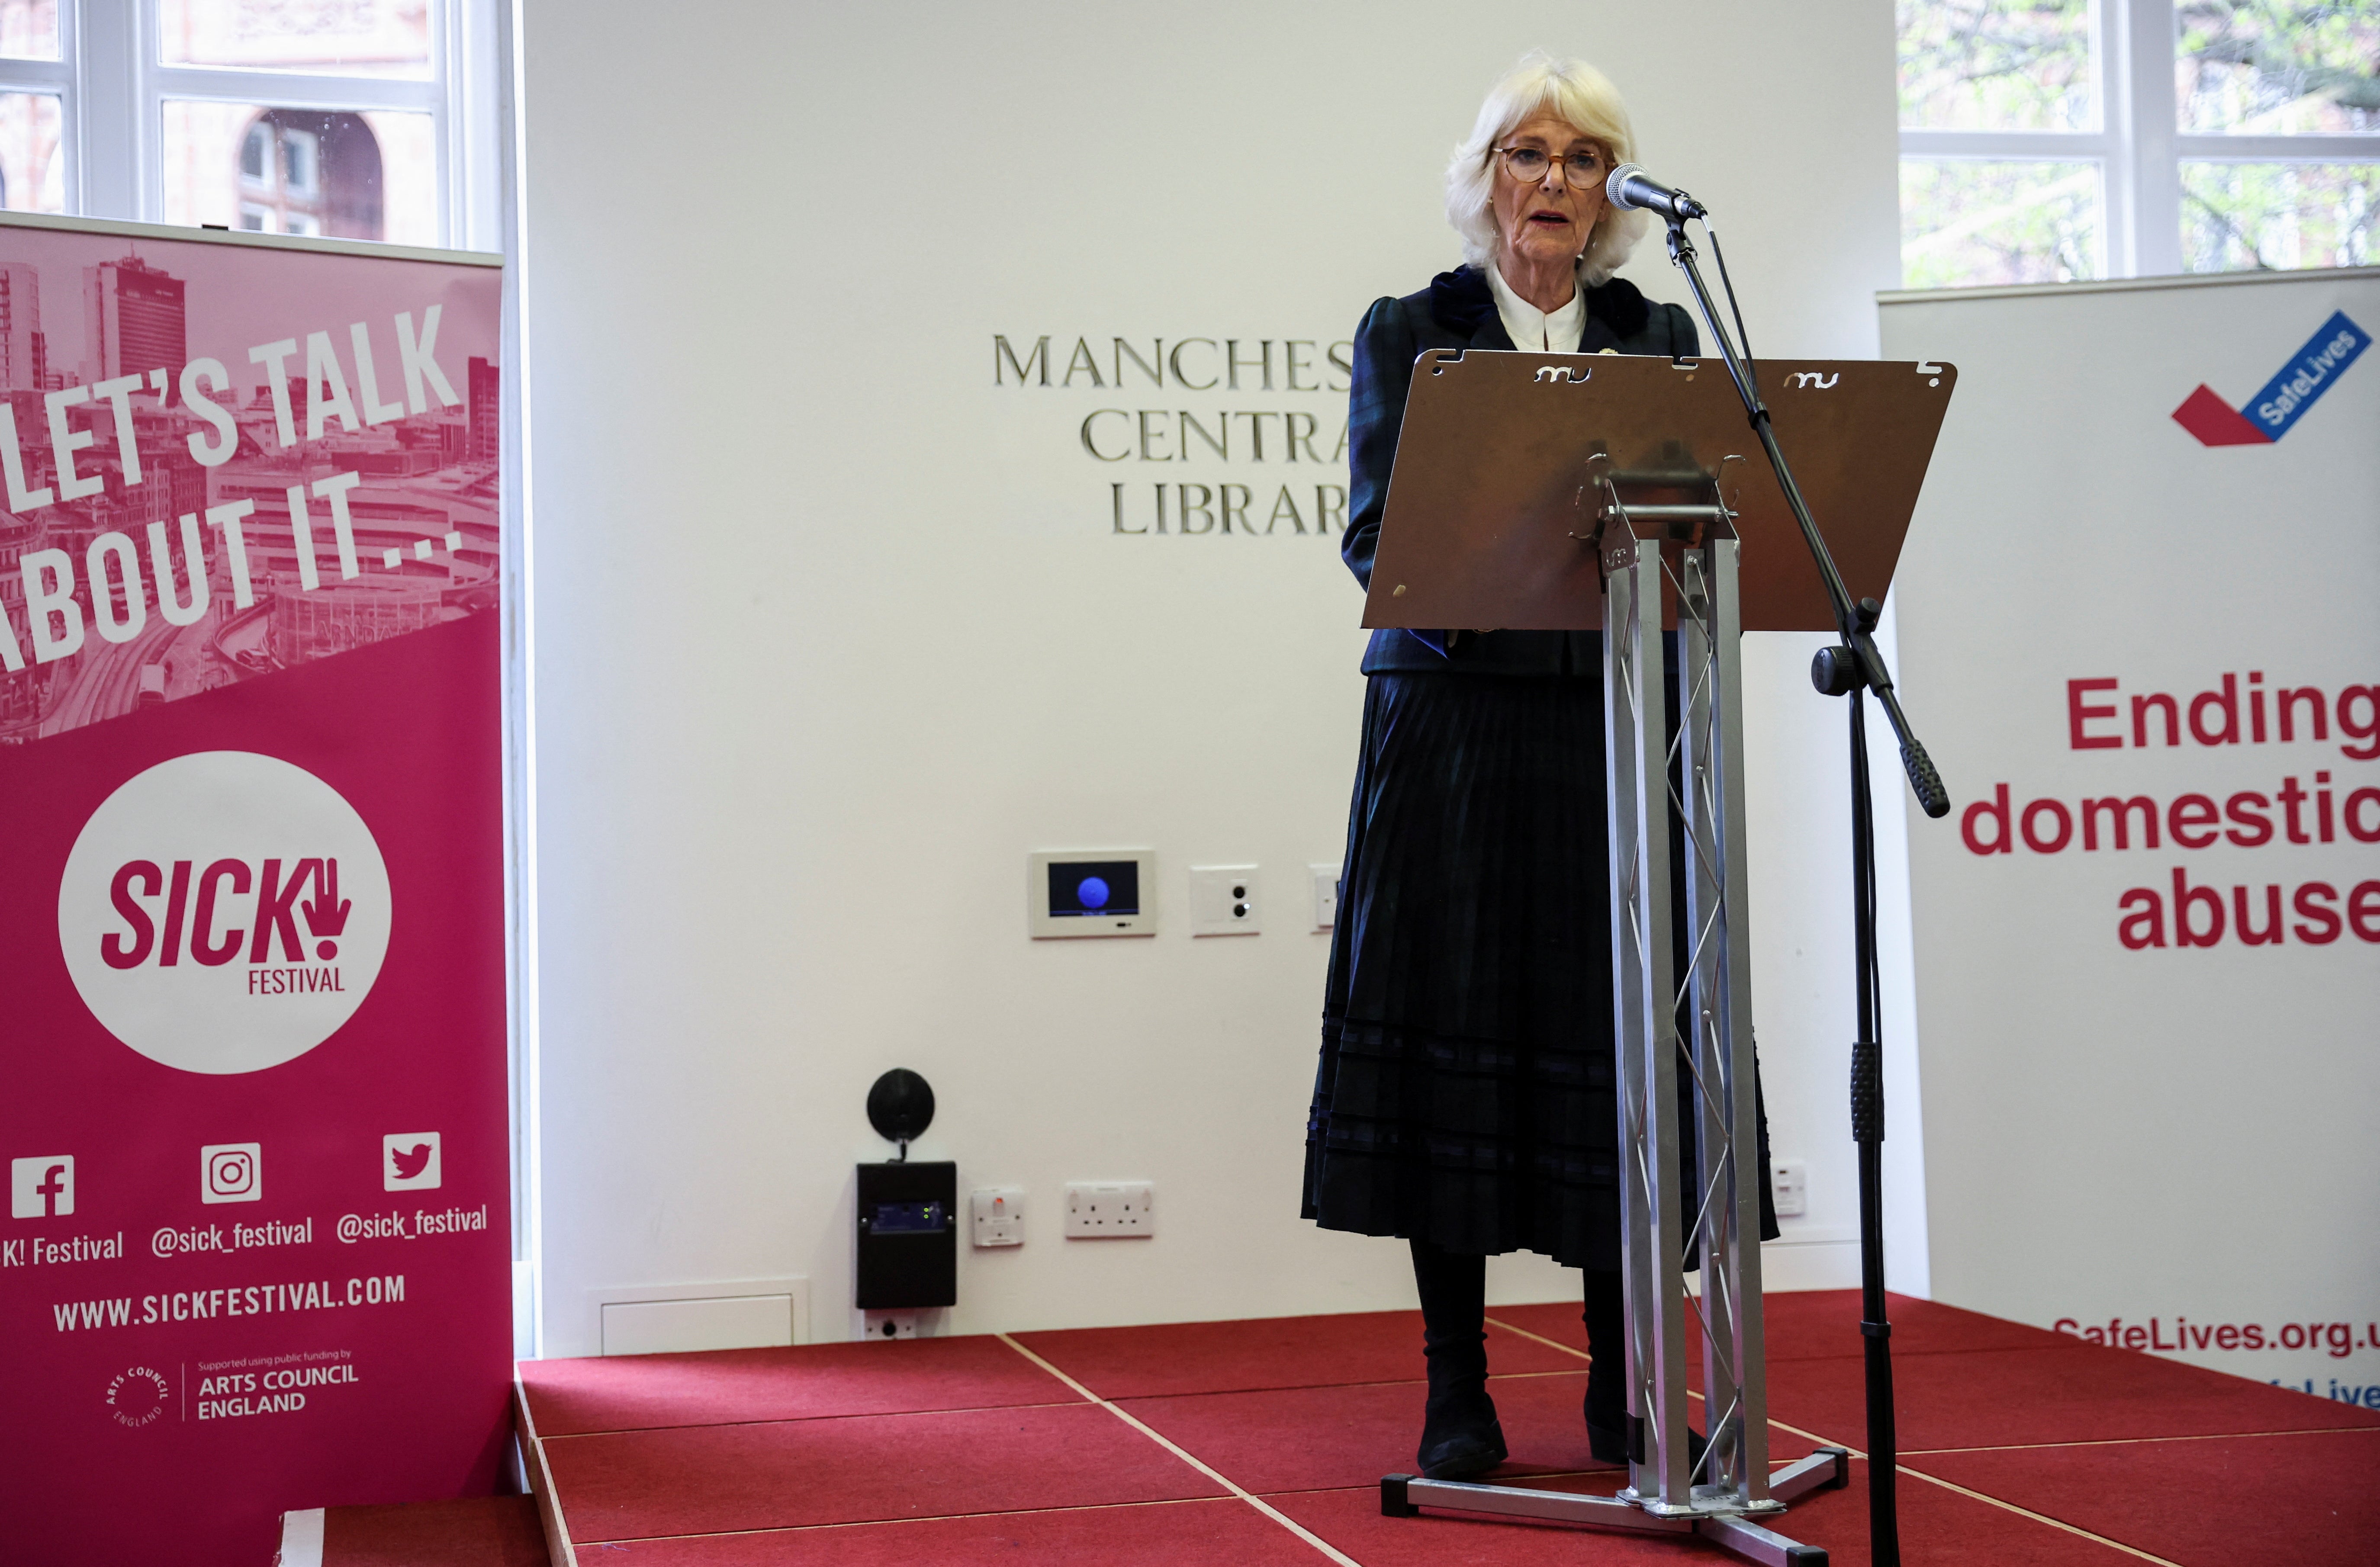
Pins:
x: 1263, y: 1443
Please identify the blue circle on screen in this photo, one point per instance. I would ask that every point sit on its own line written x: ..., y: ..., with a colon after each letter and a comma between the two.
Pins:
x: 1092, y: 892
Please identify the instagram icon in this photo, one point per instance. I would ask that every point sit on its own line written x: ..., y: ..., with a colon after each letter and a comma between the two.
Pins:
x: 231, y: 1172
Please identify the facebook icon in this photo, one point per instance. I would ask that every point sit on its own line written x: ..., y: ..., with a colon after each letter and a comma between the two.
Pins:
x: 40, y: 1188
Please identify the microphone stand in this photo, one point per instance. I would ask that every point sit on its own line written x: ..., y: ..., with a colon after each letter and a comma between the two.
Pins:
x: 1852, y: 668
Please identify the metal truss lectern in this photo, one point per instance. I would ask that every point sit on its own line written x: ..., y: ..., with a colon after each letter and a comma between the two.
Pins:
x: 1525, y: 483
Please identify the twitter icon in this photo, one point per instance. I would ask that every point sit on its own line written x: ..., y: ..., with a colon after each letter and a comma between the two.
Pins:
x: 409, y: 1161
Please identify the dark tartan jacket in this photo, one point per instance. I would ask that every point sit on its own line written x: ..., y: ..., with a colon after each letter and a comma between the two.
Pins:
x: 1458, y: 311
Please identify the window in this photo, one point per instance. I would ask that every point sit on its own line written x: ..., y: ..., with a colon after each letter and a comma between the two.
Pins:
x: 355, y: 119
x: 2045, y: 140
x: 32, y: 88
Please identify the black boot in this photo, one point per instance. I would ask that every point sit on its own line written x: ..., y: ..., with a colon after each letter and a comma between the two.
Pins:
x: 1460, y: 1435
x: 1607, y: 1384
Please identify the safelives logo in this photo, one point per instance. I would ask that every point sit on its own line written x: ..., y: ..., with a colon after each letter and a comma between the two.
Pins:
x: 223, y: 912
x: 2311, y: 371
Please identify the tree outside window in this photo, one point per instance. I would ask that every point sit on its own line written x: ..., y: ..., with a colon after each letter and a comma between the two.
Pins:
x: 2047, y: 141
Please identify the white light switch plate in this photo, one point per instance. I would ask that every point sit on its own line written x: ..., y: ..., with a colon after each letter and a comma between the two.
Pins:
x: 999, y: 1215
x: 1223, y: 901
x: 1326, y: 895
x: 1788, y: 1179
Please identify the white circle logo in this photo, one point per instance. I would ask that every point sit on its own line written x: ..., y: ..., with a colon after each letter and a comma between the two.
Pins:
x: 138, y: 1395
x: 223, y: 912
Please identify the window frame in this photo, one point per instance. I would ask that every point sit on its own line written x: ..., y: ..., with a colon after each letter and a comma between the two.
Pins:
x: 2139, y: 148
x: 113, y: 88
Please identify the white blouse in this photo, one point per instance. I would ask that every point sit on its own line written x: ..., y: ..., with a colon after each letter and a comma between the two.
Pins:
x: 1533, y: 329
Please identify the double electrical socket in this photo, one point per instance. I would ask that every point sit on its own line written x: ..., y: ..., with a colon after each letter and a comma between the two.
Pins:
x: 1110, y: 1210
x: 1789, y: 1182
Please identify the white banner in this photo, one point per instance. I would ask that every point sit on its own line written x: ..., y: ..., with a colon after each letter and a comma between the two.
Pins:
x: 2137, y: 627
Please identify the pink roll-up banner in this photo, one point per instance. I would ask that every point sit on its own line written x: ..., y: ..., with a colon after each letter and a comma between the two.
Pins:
x: 256, y: 1255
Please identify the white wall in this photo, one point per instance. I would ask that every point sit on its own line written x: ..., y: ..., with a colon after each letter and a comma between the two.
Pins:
x: 830, y: 632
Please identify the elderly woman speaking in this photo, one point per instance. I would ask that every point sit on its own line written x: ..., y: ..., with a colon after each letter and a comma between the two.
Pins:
x: 1465, y: 1098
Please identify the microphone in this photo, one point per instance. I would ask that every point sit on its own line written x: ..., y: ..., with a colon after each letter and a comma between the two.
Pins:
x: 1631, y: 186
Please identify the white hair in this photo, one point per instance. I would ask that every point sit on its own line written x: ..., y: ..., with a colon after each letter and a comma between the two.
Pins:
x: 1583, y: 98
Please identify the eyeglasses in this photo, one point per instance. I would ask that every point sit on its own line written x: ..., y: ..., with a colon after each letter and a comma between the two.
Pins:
x: 1528, y: 165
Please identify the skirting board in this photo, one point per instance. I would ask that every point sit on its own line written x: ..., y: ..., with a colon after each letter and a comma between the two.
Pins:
x: 711, y: 1314
x: 302, y: 1539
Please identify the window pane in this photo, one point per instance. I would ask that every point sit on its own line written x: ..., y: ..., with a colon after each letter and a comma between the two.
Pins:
x: 32, y: 166
x: 1996, y: 65
x: 28, y: 29
x: 408, y: 162
x: 2244, y: 217
x: 1965, y: 224
x: 302, y: 171
x: 2277, y: 67
x: 341, y: 37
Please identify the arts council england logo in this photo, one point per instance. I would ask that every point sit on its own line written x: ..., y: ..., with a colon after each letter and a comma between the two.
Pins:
x: 223, y: 912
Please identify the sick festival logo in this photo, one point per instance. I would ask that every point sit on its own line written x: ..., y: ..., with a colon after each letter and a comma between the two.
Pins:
x: 325, y: 913
x: 223, y: 912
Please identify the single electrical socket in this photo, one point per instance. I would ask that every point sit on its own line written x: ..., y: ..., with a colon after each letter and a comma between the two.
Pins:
x: 892, y: 1325
x: 1326, y: 895
x: 1788, y: 1181
x: 1223, y: 901
x: 1106, y: 1210
x: 999, y: 1214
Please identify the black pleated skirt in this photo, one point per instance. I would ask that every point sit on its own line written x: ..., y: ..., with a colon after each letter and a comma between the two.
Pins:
x: 1465, y: 1094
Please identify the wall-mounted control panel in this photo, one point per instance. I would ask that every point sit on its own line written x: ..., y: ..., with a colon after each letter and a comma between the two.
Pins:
x: 909, y: 1235
x: 1091, y: 893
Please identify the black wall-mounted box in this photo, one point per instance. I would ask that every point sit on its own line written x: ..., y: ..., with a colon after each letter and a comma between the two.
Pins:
x: 909, y: 1235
